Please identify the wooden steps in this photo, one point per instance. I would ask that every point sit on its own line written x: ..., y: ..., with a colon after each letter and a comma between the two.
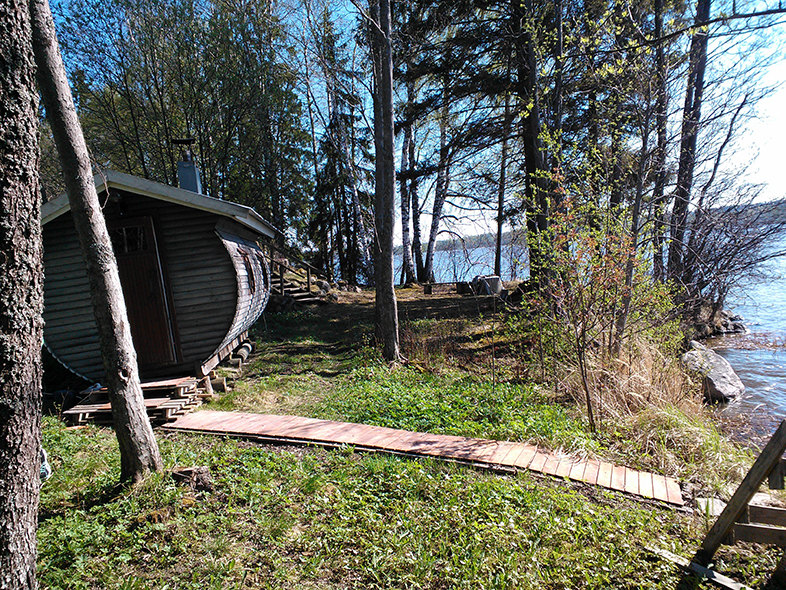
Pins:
x: 477, y: 452
x: 293, y: 290
x: 164, y: 401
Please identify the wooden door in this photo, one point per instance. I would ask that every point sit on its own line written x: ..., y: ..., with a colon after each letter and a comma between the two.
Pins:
x: 145, y: 292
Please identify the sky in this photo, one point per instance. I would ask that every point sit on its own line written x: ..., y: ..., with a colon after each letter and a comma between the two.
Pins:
x: 767, y: 136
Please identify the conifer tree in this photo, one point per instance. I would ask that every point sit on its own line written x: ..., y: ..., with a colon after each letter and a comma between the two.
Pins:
x: 21, y: 302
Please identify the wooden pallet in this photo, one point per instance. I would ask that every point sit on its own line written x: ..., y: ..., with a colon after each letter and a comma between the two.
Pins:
x: 479, y: 452
x: 164, y: 401
x: 177, y: 387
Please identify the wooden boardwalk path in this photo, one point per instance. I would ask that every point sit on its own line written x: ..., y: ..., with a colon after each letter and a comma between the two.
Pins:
x: 479, y: 452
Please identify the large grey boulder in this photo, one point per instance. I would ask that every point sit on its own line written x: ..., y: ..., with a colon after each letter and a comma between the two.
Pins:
x: 721, y: 383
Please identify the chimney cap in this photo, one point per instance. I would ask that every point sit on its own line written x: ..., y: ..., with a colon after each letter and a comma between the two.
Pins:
x: 187, y: 142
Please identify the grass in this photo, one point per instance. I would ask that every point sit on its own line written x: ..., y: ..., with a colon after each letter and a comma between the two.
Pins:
x: 285, y: 517
x: 451, y: 403
x: 301, y: 518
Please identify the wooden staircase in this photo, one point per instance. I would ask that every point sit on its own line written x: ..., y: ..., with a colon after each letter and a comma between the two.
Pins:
x: 280, y: 285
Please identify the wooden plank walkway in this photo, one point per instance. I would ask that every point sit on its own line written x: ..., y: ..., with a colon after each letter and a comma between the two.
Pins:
x: 479, y: 452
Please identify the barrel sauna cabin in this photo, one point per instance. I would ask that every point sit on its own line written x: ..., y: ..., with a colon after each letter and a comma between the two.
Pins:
x: 193, y: 273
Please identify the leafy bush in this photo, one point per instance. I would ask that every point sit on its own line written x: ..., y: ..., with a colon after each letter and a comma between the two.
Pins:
x: 604, y: 330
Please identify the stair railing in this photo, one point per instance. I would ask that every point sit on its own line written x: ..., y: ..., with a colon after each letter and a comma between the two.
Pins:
x: 304, y: 267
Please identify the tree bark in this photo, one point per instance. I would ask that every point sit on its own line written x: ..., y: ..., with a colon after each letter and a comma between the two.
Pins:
x: 440, y: 193
x: 501, y: 188
x: 417, y: 245
x: 385, y: 186
x: 691, y: 119
x: 635, y: 223
x: 138, y: 449
x: 21, y: 301
x: 361, y: 239
x: 408, y: 183
x: 408, y: 267
x: 661, y: 125
x: 536, y: 179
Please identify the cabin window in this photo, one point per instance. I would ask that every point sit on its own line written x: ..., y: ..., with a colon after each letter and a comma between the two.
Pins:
x: 129, y: 239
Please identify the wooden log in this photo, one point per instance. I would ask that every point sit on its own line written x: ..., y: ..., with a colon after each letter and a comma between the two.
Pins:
x: 219, y: 384
x: 244, y: 351
x: 765, y: 463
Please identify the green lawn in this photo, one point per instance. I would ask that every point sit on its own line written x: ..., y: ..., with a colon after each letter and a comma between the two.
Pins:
x: 292, y: 517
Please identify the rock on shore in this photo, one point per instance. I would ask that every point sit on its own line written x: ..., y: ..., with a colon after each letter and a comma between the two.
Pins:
x: 720, y: 383
x: 705, y: 323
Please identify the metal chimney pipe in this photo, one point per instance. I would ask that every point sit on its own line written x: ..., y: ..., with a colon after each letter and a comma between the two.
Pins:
x: 188, y: 177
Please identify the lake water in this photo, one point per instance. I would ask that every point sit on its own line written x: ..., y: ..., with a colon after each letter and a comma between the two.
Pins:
x: 463, y: 264
x: 759, y: 357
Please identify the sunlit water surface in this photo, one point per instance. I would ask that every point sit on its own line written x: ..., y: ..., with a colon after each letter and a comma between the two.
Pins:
x: 758, y: 357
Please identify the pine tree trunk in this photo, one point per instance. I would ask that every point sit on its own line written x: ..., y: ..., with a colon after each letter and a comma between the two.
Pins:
x: 691, y: 119
x: 635, y: 222
x: 408, y: 268
x: 536, y: 185
x: 138, y: 449
x: 385, y: 186
x: 440, y: 194
x: 501, y: 188
x: 417, y: 244
x: 21, y: 301
x: 361, y: 238
x: 661, y: 125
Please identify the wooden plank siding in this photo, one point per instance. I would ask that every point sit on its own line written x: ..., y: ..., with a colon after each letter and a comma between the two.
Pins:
x: 202, y: 283
x: 67, y: 303
x: 204, y: 286
x: 253, y: 279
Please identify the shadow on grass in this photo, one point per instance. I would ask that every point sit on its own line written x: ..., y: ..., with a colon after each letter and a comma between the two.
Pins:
x: 352, y: 319
x: 326, y: 340
x: 289, y: 358
x: 105, y: 495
